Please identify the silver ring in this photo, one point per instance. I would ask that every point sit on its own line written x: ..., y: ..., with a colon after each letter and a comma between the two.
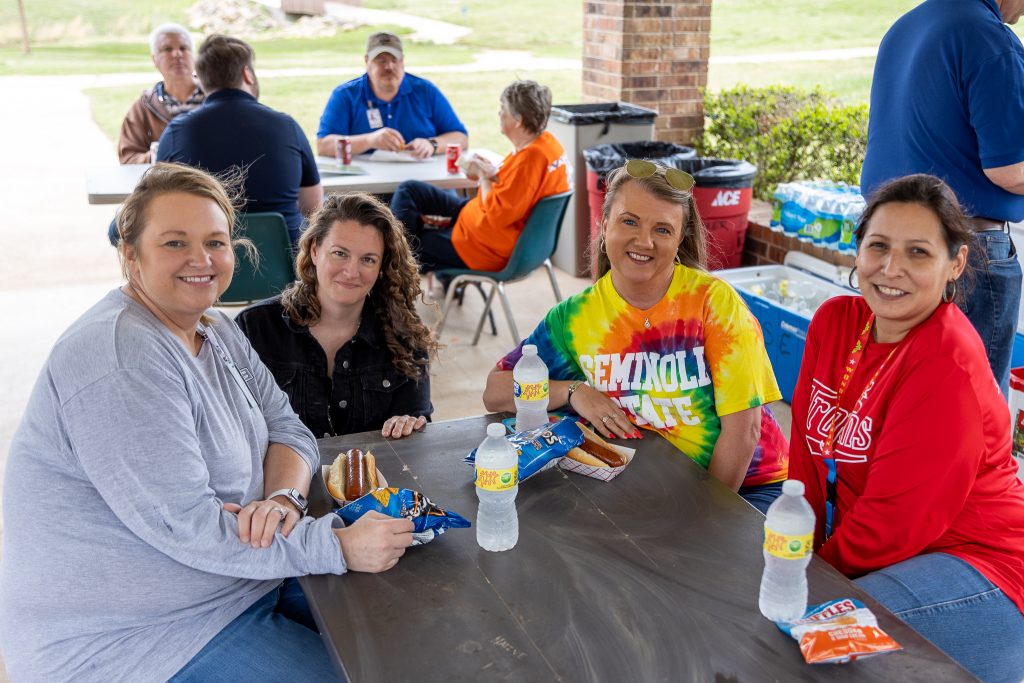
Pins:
x: 605, y: 419
x: 282, y: 512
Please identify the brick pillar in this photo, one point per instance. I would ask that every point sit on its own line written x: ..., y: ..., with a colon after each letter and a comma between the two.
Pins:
x: 652, y: 53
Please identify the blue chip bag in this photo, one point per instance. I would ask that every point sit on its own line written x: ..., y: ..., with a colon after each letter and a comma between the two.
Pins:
x: 541, y: 448
x: 429, y: 520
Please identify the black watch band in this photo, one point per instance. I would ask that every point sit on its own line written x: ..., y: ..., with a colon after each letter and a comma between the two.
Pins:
x: 433, y: 141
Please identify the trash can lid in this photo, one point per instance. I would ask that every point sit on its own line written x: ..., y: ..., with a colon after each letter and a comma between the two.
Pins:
x: 601, y: 112
x: 711, y: 172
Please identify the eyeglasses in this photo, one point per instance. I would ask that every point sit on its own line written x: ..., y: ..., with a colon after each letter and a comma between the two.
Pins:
x: 642, y: 168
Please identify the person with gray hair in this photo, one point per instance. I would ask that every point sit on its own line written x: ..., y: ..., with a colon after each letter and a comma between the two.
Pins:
x: 170, y: 45
x: 480, y: 233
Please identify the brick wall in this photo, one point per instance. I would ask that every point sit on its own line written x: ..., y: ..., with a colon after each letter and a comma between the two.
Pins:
x: 765, y: 246
x: 652, y: 53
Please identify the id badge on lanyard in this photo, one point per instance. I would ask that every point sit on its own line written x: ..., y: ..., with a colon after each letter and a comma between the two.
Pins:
x: 373, y: 116
x: 242, y: 382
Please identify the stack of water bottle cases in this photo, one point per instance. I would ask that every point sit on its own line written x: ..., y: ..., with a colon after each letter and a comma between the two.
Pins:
x: 818, y: 211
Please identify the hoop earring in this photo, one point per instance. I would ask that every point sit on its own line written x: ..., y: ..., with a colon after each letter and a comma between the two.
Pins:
x: 678, y: 261
x: 947, y: 295
x: 600, y: 245
x: 849, y: 279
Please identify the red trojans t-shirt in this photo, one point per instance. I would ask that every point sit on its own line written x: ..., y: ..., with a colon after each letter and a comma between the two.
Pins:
x: 925, y: 465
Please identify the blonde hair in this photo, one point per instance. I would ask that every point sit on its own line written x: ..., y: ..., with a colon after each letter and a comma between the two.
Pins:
x: 692, y: 251
x: 164, y: 178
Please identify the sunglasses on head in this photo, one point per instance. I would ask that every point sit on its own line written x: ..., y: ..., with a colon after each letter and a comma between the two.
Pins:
x: 642, y: 168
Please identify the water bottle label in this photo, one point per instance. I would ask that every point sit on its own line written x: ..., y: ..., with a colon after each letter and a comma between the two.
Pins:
x: 787, y: 547
x: 530, y: 391
x: 497, y: 480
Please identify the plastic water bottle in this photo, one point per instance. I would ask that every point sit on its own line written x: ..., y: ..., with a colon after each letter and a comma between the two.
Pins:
x: 497, y: 483
x: 530, y: 386
x: 788, y: 542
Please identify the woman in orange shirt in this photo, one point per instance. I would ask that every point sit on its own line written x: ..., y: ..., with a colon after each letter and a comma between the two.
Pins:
x: 480, y: 233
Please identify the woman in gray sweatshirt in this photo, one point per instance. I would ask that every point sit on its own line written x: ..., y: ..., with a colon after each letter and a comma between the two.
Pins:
x: 154, y: 491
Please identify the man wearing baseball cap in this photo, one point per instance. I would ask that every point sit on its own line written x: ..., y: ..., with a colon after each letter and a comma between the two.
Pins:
x: 388, y: 109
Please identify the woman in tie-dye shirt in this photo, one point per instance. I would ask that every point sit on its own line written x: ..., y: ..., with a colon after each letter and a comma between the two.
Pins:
x: 658, y: 343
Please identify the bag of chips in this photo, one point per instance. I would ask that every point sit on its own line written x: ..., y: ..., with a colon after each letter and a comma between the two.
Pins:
x: 542, y: 447
x: 837, y: 632
x: 429, y: 520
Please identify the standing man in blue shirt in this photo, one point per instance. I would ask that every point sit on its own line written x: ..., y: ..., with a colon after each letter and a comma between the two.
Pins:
x: 388, y: 109
x: 947, y: 99
x: 232, y: 130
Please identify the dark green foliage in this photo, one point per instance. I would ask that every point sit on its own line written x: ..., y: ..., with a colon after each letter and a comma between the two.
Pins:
x: 788, y: 133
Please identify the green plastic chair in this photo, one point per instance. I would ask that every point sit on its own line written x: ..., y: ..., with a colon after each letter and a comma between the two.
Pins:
x: 533, y: 249
x: 276, y: 267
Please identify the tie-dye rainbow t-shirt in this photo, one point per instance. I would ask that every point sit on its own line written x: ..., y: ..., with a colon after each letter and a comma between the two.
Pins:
x: 701, y: 356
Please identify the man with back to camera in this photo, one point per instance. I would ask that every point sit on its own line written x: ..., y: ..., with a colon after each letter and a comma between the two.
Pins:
x: 388, y: 109
x: 170, y: 46
x: 947, y: 99
x: 232, y: 129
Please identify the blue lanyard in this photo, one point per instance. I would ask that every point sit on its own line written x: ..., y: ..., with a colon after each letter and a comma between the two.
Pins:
x: 827, y: 450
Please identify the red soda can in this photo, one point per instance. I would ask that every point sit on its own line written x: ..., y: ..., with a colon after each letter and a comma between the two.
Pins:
x: 451, y: 153
x: 343, y: 151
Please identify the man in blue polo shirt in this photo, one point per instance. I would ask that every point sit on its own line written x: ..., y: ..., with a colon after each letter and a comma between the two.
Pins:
x: 388, y: 109
x: 947, y: 99
x: 232, y: 130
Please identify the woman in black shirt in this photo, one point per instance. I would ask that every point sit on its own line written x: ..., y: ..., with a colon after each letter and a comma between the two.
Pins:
x: 344, y: 341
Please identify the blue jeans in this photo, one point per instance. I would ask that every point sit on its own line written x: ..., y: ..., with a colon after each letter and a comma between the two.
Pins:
x: 991, y: 302
x: 951, y: 604
x: 433, y: 246
x: 275, y: 639
x: 760, y: 497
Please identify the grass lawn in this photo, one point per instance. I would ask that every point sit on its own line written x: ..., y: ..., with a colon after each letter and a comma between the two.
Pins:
x: 474, y: 96
x: 343, y: 49
x: 849, y: 79
x: 545, y: 27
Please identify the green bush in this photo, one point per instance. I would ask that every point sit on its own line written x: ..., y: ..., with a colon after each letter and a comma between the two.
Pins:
x: 788, y: 133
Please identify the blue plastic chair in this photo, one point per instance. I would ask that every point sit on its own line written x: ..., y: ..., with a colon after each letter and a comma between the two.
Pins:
x: 533, y: 249
x: 275, y: 269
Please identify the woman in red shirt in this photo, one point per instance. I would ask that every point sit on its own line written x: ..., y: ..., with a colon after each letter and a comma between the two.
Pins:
x: 902, y: 438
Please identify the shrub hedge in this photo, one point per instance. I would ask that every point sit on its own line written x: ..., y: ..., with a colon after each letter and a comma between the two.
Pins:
x: 789, y: 133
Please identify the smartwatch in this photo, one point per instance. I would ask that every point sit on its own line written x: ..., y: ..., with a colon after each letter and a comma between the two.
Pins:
x: 433, y: 141
x: 294, y: 497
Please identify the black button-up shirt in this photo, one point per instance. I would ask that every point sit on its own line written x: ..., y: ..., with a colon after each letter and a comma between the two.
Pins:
x: 365, y: 389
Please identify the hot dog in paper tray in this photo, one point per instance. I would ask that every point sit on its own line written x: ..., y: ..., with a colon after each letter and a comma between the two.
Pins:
x: 352, y: 480
x: 570, y: 445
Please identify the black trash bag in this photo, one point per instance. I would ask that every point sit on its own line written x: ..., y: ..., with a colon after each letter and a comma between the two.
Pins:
x: 603, y: 159
x: 602, y: 112
x: 711, y: 172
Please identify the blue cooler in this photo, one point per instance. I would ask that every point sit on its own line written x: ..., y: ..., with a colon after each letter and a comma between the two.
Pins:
x: 783, y: 299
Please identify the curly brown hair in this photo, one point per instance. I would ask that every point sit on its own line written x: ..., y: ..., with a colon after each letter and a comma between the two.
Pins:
x: 410, y: 342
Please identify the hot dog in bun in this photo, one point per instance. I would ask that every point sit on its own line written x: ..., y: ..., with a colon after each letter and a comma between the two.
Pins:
x: 595, y: 451
x: 352, y: 474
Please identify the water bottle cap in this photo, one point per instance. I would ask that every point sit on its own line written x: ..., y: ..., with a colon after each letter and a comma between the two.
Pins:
x: 793, y: 487
x: 498, y: 429
x: 529, y: 349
